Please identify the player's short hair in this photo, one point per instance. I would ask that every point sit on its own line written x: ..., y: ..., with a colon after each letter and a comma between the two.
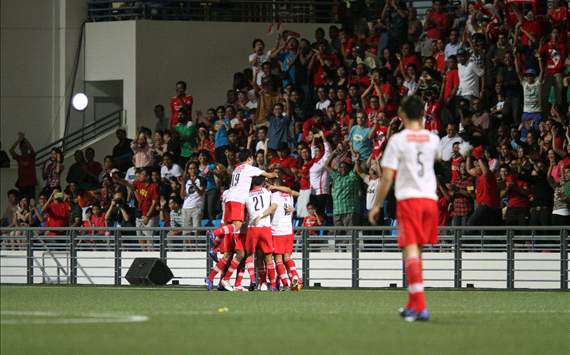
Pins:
x: 412, y: 107
x: 245, y: 154
x: 257, y: 181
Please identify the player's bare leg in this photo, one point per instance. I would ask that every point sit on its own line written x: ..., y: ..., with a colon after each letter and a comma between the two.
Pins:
x: 416, y: 307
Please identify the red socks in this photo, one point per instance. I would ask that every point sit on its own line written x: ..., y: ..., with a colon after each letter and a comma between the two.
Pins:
x: 282, y: 273
x: 239, y: 276
x: 271, y: 273
x: 233, y: 266
x: 292, y: 269
x: 219, y: 267
x: 416, y: 298
x: 262, y: 273
x: 250, y: 268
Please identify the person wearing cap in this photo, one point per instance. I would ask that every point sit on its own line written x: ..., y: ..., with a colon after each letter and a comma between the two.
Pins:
x: 532, y: 85
x: 471, y: 80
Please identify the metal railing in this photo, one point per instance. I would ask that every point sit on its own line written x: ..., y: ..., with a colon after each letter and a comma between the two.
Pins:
x: 490, y: 257
x: 81, y: 136
x: 292, y: 11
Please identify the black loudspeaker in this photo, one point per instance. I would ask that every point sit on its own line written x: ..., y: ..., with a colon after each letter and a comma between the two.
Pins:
x: 148, y: 271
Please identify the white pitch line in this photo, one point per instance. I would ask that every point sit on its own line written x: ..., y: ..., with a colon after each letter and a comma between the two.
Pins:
x: 59, y: 318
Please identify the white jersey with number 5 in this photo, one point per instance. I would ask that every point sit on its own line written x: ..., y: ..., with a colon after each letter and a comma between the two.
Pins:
x: 241, y: 182
x: 413, y: 153
x: 282, y: 222
x: 257, y: 202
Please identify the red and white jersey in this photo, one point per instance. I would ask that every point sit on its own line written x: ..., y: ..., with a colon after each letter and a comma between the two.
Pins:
x: 257, y: 202
x: 282, y: 222
x: 241, y: 182
x: 413, y: 153
x: 318, y: 175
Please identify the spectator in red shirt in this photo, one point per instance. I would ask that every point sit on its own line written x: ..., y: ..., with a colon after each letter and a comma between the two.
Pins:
x: 323, y: 64
x: 450, y: 81
x: 554, y: 52
x: 146, y: 194
x: 26, y: 166
x: 58, y: 210
x: 181, y: 104
x: 517, y: 193
x: 487, y: 212
x: 312, y: 220
x: 407, y: 57
x: 437, y: 21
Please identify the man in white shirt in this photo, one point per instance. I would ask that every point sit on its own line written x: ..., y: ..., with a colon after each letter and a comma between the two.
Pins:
x: 453, y: 46
x: 319, y: 177
x: 169, y: 168
x: 470, y: 76
x: 412, y: 153
x: 447, y: 142
x: 192, y: 190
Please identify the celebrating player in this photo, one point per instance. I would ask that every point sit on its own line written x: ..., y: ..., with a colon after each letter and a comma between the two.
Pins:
x: 234, y: 205
x: 411, y: 153
x: 283, y: 237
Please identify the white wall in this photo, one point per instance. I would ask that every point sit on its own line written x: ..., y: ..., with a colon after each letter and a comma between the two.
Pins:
x: 38, y: 39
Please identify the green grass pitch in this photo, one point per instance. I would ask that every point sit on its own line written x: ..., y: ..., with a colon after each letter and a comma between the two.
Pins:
x: 93, y: 320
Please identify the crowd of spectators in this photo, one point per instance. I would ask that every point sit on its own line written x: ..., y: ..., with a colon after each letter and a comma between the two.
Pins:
x: 494, y: 78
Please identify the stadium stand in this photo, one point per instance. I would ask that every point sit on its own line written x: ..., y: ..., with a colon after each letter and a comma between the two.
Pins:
x: 494, y: 77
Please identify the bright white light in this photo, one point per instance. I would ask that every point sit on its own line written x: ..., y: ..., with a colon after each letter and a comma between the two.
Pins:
x: 79, y: 101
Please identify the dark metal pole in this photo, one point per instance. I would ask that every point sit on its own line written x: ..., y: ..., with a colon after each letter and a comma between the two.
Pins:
x: 510, y: 261
x: 355, y: 258
x: 73, y: 257
x: 457, y: 263
x: 305, y: 253
x: 117, y: 249
x: 29, y: 258
x: 209, y: 261
x: 564, y: 259
x: 163, y: 245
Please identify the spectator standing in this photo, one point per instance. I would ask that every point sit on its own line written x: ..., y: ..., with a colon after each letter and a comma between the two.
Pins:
x: 561, y: 209
x: 462, y: 192
x: 192, y: 191
x: 188, y: 134
x: 58, y: 209
x: 27, y: 180
x: 92, y: 168
x: 345, y: 192
x: 52, y: 170
x: 541, y: 196
x: 395, y: 16
x: 206, y: 172
x: 278, y: 130
x: 318, y: 174
x: 486, y: 191
x: 360, y: 137
x: 146, y: 194
x: 122, y: 152
x: 162, y: 124
x: 77, y: 172
x: 142, y: 150
x: 258, y: 57
x: 470, y: 76
x: 180, y: 105
x: 532, y: 88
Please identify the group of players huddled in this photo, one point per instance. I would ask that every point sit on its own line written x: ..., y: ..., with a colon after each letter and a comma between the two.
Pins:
x: 267, y: 237
x: 408, y: 161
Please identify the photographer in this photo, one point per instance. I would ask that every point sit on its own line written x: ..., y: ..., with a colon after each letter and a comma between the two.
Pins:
x: 119, y: 213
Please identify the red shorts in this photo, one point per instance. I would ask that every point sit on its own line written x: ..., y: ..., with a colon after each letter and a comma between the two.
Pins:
x: 232, y: 243
x: 259, y: 237
x: 233, y: 211
x: 283, y: 244
x: 417, y: 221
